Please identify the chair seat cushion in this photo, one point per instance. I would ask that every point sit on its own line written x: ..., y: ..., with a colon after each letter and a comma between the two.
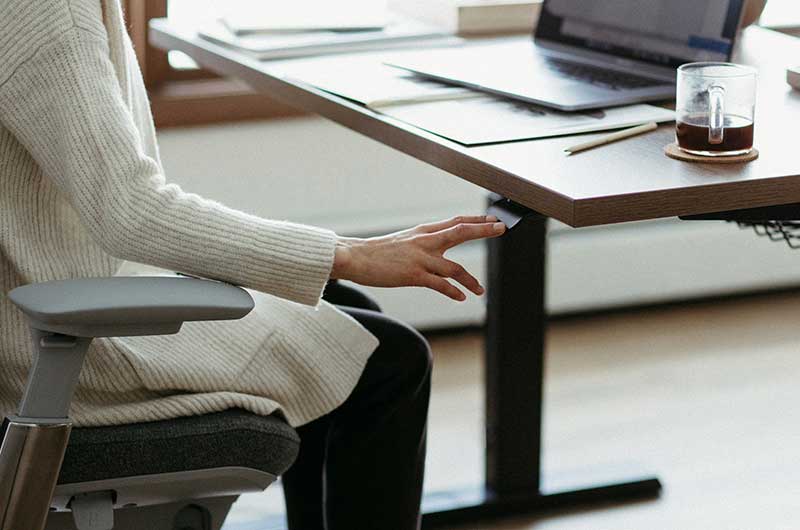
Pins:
x: 233, y: 438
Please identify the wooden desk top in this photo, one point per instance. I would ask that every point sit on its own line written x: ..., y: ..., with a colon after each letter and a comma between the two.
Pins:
x: 627, y: 181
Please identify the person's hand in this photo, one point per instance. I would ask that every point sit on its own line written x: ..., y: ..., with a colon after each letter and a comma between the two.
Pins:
x: 415, y: 257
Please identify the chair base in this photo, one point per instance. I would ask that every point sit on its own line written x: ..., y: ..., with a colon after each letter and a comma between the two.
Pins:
x: 195, y: 514
x: 166, y: 488
x: 187, y: 500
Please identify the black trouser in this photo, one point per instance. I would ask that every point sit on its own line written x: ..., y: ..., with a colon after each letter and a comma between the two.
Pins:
x: 360, y: 467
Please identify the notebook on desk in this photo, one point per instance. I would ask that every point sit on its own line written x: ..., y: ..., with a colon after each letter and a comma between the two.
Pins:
x: 491, y: 119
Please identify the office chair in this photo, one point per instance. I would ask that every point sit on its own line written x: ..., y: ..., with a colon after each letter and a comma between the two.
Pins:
x: 180, y: 474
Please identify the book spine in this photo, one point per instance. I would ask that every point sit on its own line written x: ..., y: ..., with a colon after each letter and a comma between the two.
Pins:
x: 498, y: 18
x: 471, y: 17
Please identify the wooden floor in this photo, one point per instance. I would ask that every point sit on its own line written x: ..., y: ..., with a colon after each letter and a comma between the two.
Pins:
x: 706, y: 396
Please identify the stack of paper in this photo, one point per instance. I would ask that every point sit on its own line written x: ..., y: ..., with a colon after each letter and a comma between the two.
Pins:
x: 399, y: 33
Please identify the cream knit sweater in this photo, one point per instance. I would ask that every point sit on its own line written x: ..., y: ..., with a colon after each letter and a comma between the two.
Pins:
x: 81, y: 189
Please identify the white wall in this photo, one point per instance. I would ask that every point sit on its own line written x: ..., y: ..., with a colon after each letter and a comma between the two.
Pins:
x: 313, y: 171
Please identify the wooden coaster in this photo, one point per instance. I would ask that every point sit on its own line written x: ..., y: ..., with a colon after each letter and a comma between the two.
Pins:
x: 673, y: 151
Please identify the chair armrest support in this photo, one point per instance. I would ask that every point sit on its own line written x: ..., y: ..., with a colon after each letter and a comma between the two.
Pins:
x: 57, y: 364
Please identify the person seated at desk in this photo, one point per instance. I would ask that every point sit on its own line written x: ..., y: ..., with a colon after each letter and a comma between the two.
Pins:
x: 82, y: 189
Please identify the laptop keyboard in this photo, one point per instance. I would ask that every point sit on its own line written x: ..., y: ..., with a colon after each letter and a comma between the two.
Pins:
x: 601, y: 77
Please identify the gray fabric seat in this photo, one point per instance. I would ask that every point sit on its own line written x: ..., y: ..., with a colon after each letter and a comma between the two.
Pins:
x: 233, y: 438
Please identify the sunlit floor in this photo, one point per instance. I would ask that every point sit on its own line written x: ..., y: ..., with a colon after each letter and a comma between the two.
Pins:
x: 706, y: 396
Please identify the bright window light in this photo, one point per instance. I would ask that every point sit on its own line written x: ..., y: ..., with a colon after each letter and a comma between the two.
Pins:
x: 781, y: 13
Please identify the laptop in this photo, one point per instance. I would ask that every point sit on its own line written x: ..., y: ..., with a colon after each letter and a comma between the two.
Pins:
x: 589, y: 54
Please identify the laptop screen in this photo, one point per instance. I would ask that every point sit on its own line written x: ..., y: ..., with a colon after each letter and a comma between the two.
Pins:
x: 664, y: 32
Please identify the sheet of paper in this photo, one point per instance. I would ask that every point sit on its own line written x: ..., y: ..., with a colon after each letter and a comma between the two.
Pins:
x: 489, y: 119
x: 367, y: 81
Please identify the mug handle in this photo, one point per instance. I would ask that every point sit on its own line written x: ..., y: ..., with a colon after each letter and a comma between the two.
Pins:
x: 716, y: 114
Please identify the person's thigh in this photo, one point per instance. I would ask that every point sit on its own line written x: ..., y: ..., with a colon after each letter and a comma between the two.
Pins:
x: 371, y: 449
x: 376, y: 443
x: 403, y: 354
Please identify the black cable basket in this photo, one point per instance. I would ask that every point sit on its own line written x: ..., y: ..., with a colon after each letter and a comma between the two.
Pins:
x: 779, y: 223
x: 788, y: 231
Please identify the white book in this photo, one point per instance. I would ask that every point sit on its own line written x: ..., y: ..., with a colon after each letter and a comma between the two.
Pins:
x: 251, y: 17
x: 473, y: 16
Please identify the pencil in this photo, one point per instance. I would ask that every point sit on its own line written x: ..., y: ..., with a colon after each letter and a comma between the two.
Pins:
x: 619, y: 135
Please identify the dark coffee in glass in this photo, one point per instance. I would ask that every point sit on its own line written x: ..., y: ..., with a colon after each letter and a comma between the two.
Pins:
x: 693, y: 133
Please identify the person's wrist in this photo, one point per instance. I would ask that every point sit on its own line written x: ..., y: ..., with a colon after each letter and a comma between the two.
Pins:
x: 343, y: 258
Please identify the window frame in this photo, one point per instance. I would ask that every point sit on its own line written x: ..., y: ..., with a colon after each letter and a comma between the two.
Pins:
x: 191, y: 97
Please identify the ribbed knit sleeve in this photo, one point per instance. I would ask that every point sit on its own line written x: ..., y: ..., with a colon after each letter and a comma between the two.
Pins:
x: 64, y: 104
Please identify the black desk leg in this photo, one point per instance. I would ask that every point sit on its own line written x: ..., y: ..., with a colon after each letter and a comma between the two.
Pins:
x: 515, y: 334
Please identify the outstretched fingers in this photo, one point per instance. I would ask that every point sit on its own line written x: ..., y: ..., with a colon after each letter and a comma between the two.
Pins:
x: 438, y: 226
x: 437, y: 283
x: 461, y: 233
x: 450, y: 269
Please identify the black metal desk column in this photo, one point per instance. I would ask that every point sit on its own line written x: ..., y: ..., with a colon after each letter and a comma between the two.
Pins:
x: 515, y: 335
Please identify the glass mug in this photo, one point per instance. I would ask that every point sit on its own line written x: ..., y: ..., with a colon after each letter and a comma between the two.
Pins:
x: 715, y: 109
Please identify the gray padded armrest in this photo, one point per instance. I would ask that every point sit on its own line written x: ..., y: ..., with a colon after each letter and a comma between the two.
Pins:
x: 125, y: 306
